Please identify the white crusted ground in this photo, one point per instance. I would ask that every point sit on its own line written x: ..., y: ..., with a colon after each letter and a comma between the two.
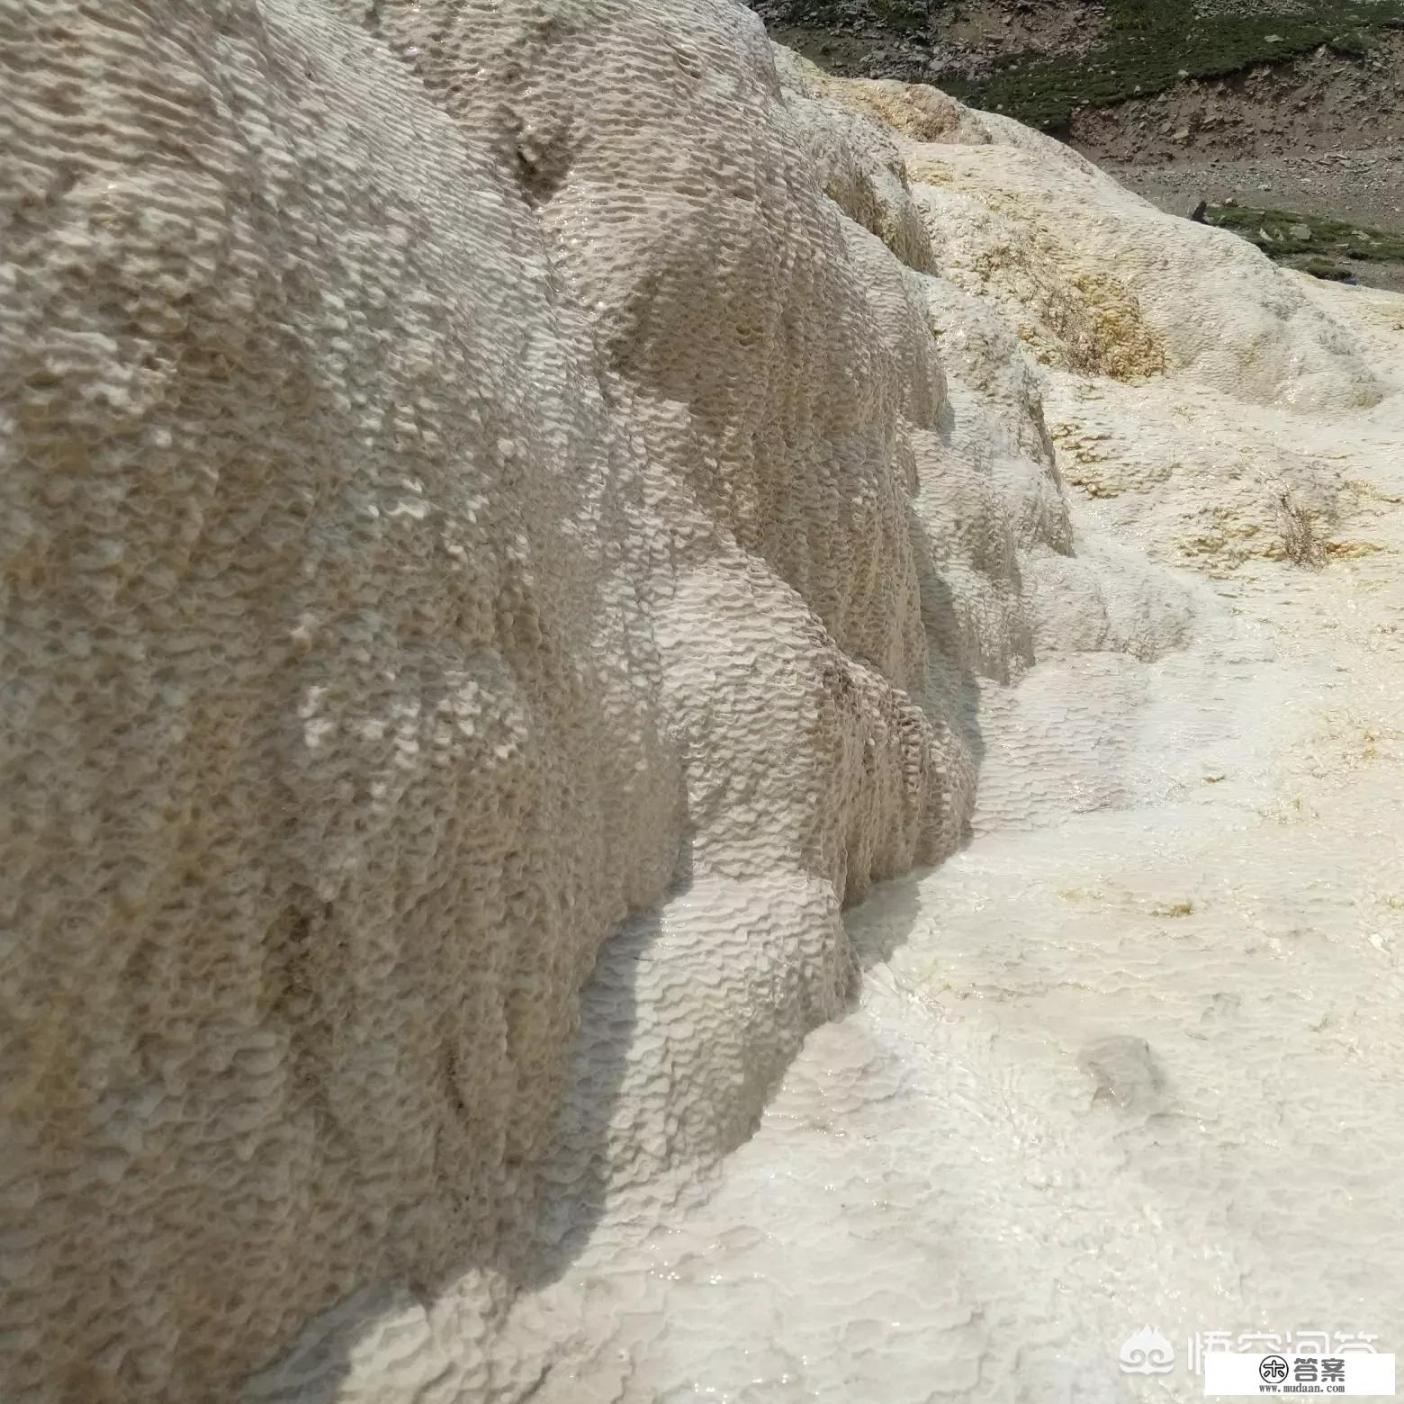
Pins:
x: 516, y: 516
x: 1130, y: 1059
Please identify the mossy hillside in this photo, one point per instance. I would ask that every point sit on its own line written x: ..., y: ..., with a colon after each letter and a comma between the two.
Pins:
x: 1149, y: 45
x: 1283, y: 235
x: 1326, y: 268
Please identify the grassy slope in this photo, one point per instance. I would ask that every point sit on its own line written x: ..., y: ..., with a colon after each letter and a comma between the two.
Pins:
x: 1149, y: 43
x: 1309, y: 242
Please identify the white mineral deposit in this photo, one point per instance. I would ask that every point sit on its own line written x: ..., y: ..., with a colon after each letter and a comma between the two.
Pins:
x: 673, y: 730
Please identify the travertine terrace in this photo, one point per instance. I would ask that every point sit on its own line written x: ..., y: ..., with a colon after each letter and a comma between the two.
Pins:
x: 517, y: 517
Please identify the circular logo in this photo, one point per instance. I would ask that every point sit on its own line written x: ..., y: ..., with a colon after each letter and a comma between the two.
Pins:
x: 1273, y: 1369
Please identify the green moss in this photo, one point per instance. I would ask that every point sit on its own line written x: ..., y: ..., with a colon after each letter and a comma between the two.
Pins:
x: 1354, y: 43
x: 1280, y: 234
x: 1326, y: 268
x: 1147, y: 44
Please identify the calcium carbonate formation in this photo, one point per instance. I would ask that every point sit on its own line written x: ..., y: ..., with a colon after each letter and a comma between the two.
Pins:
x: 517, y: 515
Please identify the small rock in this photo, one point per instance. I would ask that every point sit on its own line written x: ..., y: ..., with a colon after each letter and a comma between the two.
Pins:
x: 1123, y: 1071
